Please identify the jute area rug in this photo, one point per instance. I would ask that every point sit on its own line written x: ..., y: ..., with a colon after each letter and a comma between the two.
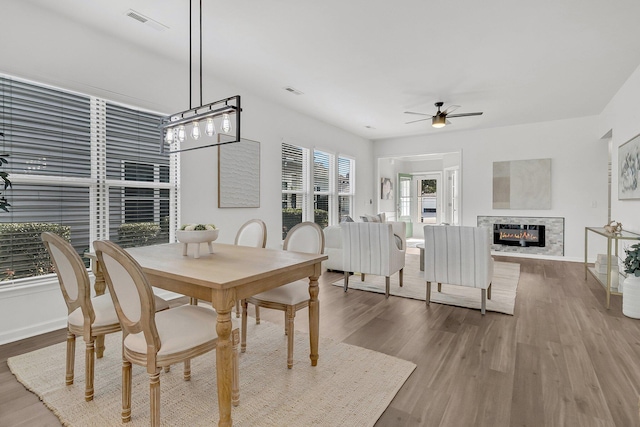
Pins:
x: 351, y: 386
x: 503, y: 288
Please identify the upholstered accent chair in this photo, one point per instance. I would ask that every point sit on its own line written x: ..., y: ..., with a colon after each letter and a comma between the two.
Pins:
x: 155, y: 340
x: 304, y: 237
x: 458, y: 255
x: 252, y: 233
x: 87, y: 317
x: 372, y: 248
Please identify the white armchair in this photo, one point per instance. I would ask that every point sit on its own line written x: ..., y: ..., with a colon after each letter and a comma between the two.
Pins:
x: 372, y: 248
x: 458, y: 255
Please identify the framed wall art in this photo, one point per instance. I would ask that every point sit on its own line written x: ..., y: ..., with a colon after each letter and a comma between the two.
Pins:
x: 238, y: 174
x: 629, y: 169
x: 522, y: 184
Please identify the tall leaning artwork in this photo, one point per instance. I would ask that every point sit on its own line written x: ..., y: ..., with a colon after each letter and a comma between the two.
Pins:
x: 522, y: 184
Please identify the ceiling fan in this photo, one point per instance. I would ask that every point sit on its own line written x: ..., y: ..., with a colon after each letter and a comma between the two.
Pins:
x: 439, y: 120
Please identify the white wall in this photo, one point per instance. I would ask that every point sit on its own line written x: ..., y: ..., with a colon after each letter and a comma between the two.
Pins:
x: 622, y: 117
x: 97, y: 65
x: 578, y: 170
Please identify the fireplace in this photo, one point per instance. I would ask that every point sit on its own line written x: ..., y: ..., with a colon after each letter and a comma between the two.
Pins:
x: 519, y: 235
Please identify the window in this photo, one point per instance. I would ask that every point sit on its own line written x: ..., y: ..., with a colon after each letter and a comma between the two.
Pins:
x: 294, y: 186
x: 345, y: 187
x: 69, y: 157
x: 332, y: 188
x: 322, y: 187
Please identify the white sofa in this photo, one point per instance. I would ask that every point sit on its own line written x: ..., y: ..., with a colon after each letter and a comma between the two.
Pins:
x: 333, y: 244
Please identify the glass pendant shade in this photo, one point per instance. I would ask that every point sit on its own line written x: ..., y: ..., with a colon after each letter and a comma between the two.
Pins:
x: 226, y: 123
x: 195, y: 131
x: 181, y: 133
x: 210, y: 127
x: 169, y: 136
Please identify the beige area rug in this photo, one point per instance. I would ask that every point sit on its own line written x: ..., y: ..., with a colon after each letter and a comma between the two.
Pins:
x: 351, y: 386
x: 503, y: 288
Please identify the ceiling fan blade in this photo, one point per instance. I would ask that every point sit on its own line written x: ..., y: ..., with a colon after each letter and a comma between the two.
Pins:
x: 464, y: 114
x: 450, y: 109
x: 420, y: 114
x: 447, y: 122
x: 419, y: 120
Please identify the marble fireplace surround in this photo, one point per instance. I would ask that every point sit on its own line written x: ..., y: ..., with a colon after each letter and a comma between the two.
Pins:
x: 554, y: 233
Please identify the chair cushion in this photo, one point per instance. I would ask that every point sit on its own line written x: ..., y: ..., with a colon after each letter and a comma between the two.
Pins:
x: 104, y: 310
x: 179, y: 329
x: 289, y: 294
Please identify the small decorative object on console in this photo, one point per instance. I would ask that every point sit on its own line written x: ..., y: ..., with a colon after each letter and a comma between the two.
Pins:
x: 613, y: 227
x: 197, y: 233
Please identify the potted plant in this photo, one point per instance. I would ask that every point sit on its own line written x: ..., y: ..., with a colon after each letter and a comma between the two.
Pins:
x: 631, y: 285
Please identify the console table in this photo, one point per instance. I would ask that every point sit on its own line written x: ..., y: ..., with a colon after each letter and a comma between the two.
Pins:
x: 612, y: 240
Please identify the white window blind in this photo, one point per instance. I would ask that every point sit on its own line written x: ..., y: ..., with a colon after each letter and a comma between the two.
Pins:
x: 322, y: 187
x: 295, y: 188
x: 345, y: 186
x: 82, y: 168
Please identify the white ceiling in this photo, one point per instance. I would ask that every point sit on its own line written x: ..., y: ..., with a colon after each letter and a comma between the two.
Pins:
x: 363, y: 63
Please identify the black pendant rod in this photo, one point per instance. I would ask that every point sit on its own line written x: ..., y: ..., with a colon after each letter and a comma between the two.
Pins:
x: 190, y: 56
x: 200, y: 52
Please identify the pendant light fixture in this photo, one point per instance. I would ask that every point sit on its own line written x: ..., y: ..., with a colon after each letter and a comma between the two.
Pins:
x: 173, y: 129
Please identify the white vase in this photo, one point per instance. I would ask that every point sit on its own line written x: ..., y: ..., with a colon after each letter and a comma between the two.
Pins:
x: 631, y: 297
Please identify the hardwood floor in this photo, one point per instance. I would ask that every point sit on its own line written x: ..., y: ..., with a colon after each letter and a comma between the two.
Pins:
x: 561, y: 360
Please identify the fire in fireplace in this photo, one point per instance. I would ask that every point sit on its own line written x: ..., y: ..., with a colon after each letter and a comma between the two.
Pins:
x: 518, y: 235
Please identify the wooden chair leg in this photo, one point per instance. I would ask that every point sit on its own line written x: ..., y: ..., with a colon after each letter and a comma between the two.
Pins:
x: 187, y: 370
x: 235, y: 379
x: 362, y: 277
x: 346, y: 281
x: 193, y: 301
x: 89, y: 361
x: 238, y: 309
x: 167, y: 369
x: 286, y: 323
x: 243, y: 339
x: 126, y: 391
x: 71, y: 357
x: 428, y: 299
x: 257, y: 315
x: 291, y: 315
x: 154, y: 398
x: 489, y: 291
x: 439, y: 287
x: 387, y: 286
x: 401, y: 274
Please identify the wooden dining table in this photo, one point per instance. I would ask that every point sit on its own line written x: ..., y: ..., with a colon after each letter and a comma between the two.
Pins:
x: 229, y: 274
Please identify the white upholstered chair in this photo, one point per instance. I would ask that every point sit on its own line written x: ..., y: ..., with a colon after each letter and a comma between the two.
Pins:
x: 155, y: 340
x: 458, y: 255
x: 88, y: 317
x: 304, y: 237
x: 252, y: 233
x: 372, y: 248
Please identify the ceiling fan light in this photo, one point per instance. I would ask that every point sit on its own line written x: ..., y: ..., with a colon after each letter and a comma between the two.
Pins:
x: 438, y: 121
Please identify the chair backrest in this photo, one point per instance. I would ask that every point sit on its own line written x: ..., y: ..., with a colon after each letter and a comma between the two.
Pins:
x: 458, y: 255
x: 252, y: 233
x: 130, y: 290
x: 305, y: 237
x: 72, y: 275
x: 368, y: 247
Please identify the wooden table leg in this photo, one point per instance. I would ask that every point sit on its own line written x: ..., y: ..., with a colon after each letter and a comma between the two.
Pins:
x: 223, y: 302
x: 314, y: 318
x: 100, y: 286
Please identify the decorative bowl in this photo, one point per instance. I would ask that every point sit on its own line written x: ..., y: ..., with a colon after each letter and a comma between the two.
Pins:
x: 197, y: 237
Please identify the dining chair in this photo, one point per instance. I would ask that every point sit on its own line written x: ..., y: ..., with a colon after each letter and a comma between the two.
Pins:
x: 155, y: 340
x: 304, y: 237
x: 88, y: 317
x: 252, y: 233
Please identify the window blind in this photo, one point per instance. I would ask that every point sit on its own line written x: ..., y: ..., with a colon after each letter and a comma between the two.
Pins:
x: 345, y: 186
x: 322, y: 197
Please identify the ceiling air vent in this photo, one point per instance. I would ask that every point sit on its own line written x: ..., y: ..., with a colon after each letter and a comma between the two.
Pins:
x: 146, y: 20
x: 292, y: 90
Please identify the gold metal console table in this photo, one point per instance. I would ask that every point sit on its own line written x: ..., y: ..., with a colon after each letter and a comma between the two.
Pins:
x: 612, y: 240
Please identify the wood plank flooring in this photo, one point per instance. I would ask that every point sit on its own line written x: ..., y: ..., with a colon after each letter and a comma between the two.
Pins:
x: 561, y: 360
